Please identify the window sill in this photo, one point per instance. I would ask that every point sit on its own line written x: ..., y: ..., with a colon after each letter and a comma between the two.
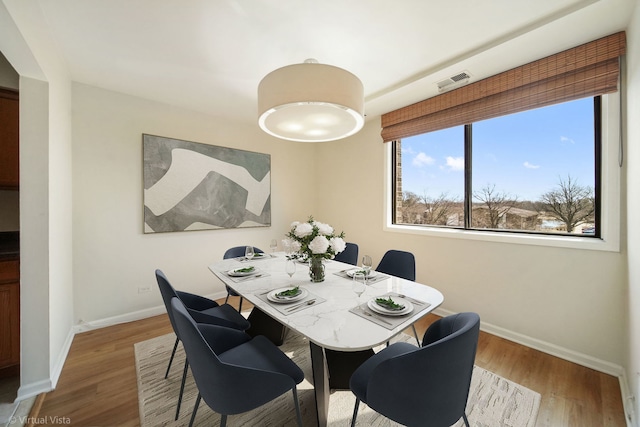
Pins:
x: 584, y: 243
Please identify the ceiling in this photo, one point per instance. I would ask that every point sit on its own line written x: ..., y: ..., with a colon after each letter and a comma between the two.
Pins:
x: 210, y: 55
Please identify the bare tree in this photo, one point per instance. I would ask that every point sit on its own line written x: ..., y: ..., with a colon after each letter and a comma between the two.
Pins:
x: 437, y: 209
x: 570, y: 203
x: 497, y: 205
x: 411, y: 207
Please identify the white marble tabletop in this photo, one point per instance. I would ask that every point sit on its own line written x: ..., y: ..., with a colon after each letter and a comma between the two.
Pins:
x: 329, y: 324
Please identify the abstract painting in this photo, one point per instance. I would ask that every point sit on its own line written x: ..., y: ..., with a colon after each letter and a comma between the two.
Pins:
x: 192, y: 186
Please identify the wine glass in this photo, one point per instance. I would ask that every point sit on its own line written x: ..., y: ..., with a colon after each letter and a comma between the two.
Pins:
x: 290, y: 268
x: 359, y: 283
x: 286, y: 244
x: 367, y: 263
x: 273, y: 245
x: 248, y: 253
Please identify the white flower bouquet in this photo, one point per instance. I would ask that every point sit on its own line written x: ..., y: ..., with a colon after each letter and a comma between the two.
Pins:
x: 313, y: 239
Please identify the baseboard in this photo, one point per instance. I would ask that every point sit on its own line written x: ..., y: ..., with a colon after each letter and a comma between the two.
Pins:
x: 627, y: 401
x: 130, y: 317
x: 29, y: 390
x: 545, y: 347
x: 62, y: 357
x: 566, y: 354
x: 116, y: 320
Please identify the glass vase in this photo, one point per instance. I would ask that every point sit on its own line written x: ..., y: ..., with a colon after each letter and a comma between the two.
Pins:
x: 316, y: 269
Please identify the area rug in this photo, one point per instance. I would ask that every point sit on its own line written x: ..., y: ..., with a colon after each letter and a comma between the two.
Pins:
x: 493, y: 401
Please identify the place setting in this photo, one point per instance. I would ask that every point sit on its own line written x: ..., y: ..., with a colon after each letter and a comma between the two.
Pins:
x: 389, y: 310
x: 251, y: 255
x: 291, y: 299
x: 371, y: 276
x: 243, y: 274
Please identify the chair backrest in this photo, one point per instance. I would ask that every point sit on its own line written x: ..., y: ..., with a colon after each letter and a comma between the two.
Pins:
x: 429, y: 386
x: 168, y: 293
x: 238, y: 251
x: 227, y: 388
x: 398, y: 263
x: 349, y: 255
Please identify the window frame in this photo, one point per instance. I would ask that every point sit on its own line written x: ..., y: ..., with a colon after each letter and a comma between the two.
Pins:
x: 610, y: 172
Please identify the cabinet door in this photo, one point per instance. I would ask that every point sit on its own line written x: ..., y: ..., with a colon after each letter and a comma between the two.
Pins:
x: 9, y: 140
x: 9, y: 324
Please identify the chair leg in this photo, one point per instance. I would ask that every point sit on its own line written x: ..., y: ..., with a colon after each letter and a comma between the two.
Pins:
x: 355, y: 412
x: 466, y: 421
x: 295, y: 400
x: 240, y: 306
x: 223, y: 420
x: 173, y: 353
x: 227, y: 298
x: 195, y: 410
x: 415, y: 334
x: 184, y: 377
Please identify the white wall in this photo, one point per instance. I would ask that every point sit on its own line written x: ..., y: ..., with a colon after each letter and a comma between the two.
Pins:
x: 112, y: 257
x: 572, y: 299
x: 632, y: 359
x: 34, y: 238
x: 45, y: 198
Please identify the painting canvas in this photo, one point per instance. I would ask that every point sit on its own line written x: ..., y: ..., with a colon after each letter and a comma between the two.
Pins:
x: 192, y: 186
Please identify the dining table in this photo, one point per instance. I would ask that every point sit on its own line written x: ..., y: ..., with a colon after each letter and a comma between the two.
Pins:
x: 328, y: 313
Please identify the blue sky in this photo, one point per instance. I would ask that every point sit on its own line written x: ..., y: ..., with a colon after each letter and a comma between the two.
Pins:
x: 523, y: 154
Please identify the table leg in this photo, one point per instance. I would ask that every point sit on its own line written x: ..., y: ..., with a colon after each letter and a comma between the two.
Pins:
x: 320, y: 382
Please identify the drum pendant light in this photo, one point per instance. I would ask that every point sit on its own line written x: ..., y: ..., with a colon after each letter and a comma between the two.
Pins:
x: 310, y: 102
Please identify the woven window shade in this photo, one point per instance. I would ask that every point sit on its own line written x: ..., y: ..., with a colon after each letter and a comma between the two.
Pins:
x: 588, y: 70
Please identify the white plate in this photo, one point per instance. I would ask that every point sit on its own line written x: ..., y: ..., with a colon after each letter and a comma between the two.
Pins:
x: 272, y: 296
x: 259, y: 255
x: 353, y: 271
x: 237, y: 273
x: 408, y: 307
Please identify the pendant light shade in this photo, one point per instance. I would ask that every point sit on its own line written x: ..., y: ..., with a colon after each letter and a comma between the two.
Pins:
x: 310, y: 102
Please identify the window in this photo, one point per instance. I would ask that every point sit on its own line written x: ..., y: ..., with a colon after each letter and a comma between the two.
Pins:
x: 536, y: 171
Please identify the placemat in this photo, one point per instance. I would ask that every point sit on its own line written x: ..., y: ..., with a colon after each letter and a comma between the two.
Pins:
x: 260, y: 258
x: 293, y: 307
x: 389, y: 322
x: 238, y: 279
x: 378, y: 277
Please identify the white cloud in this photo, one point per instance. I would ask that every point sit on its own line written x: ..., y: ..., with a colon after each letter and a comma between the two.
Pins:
x: 455, y: 163
x: 566, y: 139
x: 407, y: 150
x: 423, y: 160
x: 530, y: 166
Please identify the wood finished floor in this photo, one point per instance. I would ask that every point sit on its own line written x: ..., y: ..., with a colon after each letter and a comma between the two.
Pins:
x: 98, y: 384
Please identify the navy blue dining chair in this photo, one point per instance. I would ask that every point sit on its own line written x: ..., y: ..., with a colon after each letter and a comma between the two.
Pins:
x: 203, y: 310
x: 234, y: 373
x: 349, y: 255
x: 400, y: 264
x: 425, y: 386
x: 261, y: 323
x: 236, y: 252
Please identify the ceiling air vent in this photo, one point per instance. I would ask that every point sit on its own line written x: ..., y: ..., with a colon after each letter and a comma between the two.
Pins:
x: 454, y: 82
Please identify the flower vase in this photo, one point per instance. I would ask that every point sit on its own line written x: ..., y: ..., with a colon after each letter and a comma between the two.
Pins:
x: 316, y: 269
